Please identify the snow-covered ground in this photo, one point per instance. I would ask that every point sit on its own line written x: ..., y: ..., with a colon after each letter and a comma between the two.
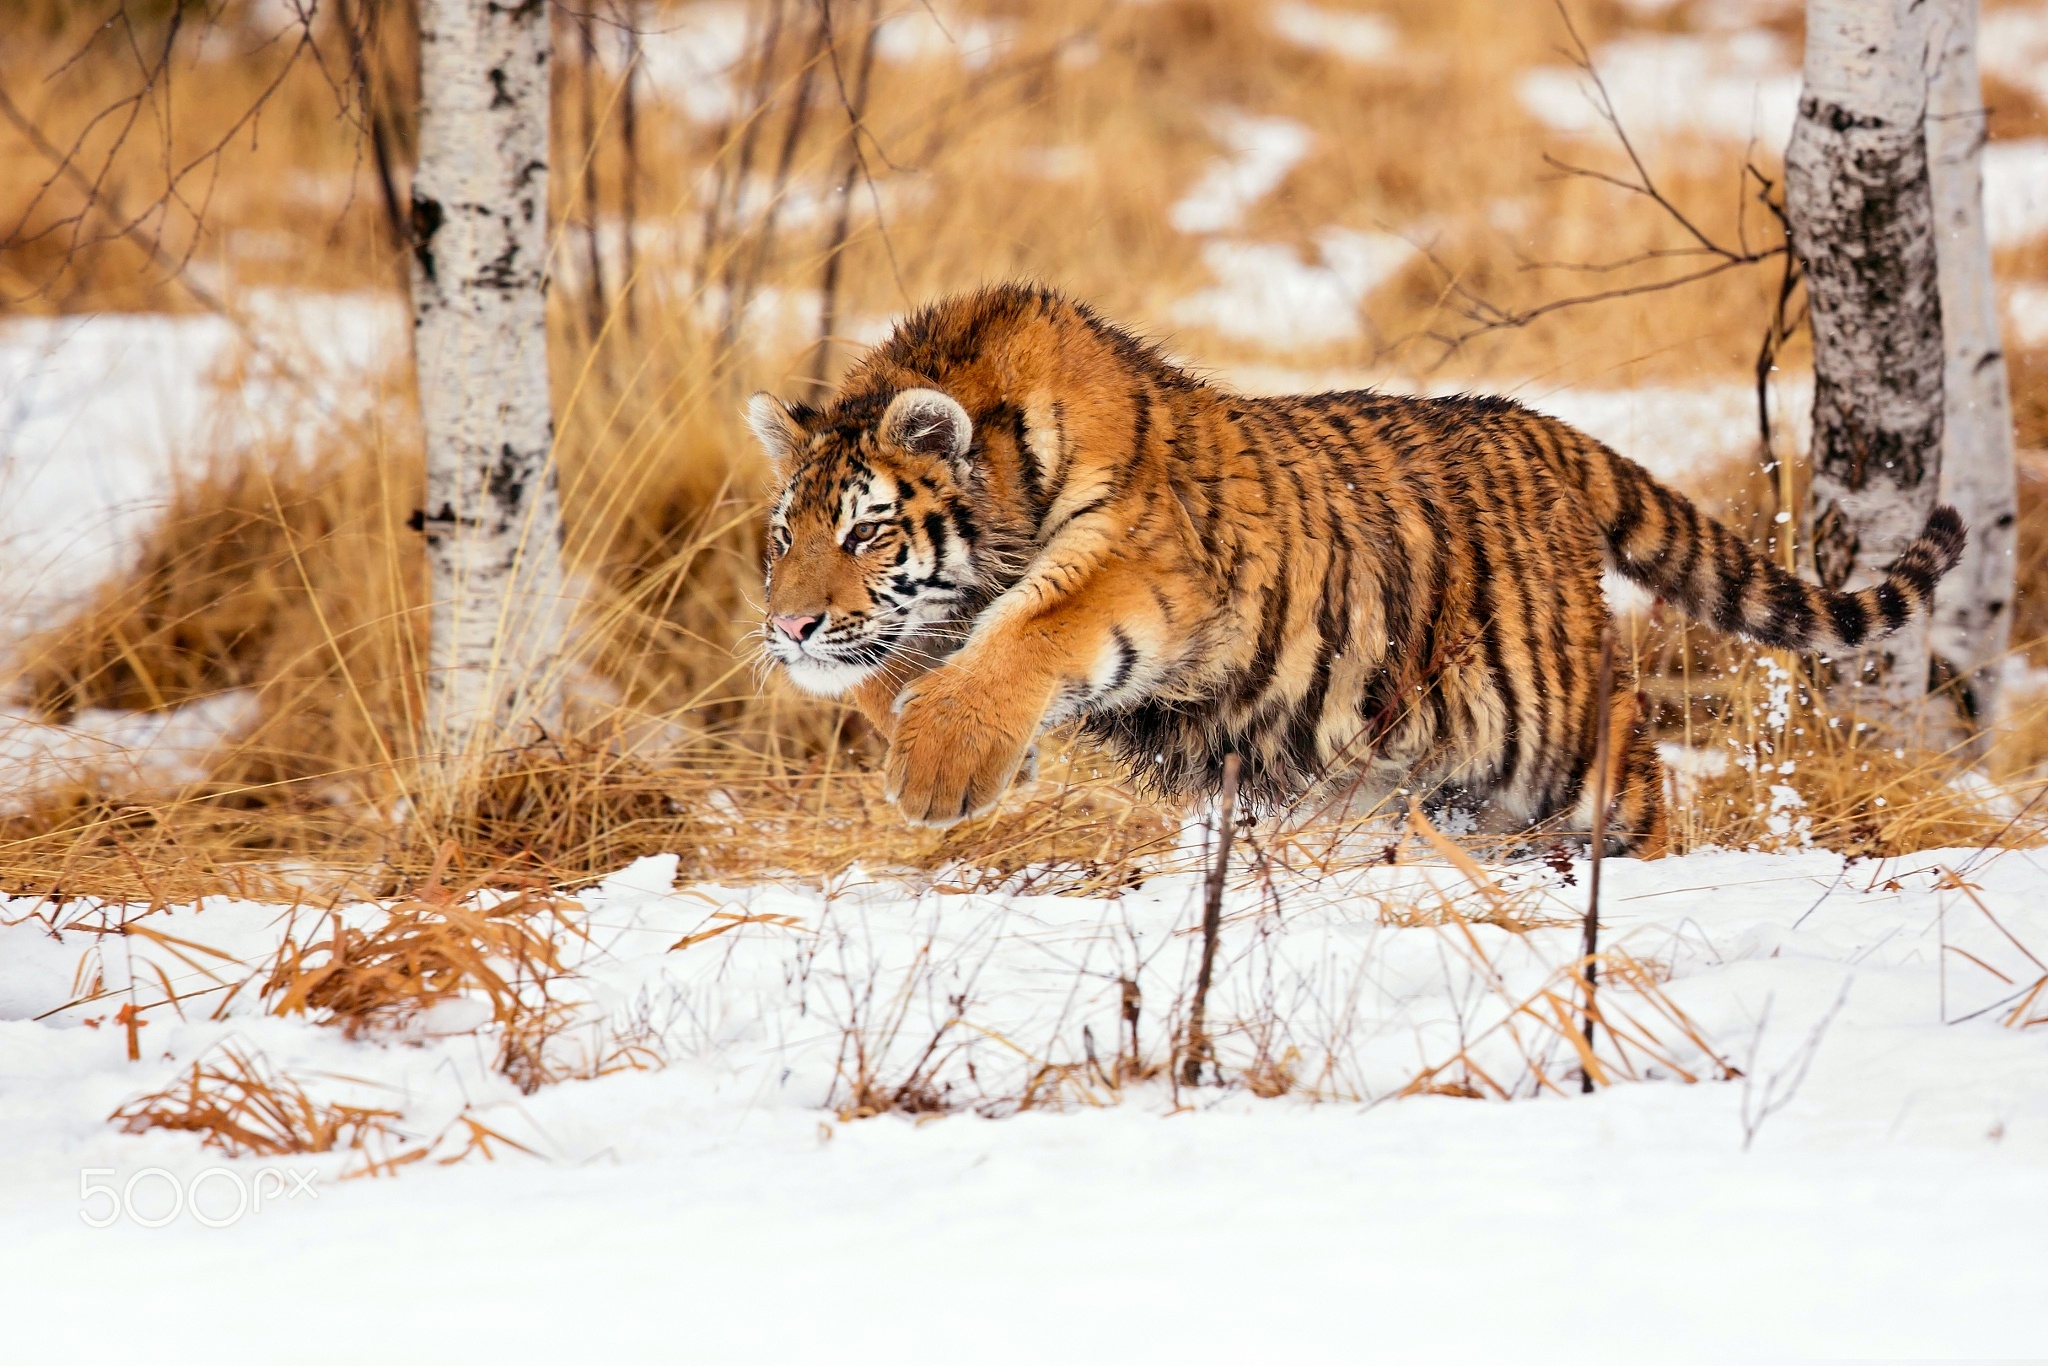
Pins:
x: 1876, y: 1185
x: 98, y: 416
x: 1261, y: 153
x: 125, y: 750
x: 98, y: 412
x: 1265, y: 292
x: 1742, y: 85
x: 1355, y: 37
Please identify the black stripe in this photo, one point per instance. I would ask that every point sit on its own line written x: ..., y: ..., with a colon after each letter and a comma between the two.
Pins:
x: 1035, y: 496
x: 963, y: 518
x: 1092, y: 505
x: 1333, y: 620
x: 1851, y: 621
x: 1126, y: 660
x: 1892, y: 604
x: 1161, y: 600
x: 1274, y: 604
x: 1530, y: 552
x: 1681, y: 513
x: 1496, y: 661
x: 1737, y: 568
x: 1141, y: 432
x: 1628, y: 511
x: 1059, y: 432
x: 1790, y: 623
x: 1915, y: 573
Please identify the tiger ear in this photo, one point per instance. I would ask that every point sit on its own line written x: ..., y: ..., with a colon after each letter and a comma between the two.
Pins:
x: 777, y: 429
x: 928, y: 422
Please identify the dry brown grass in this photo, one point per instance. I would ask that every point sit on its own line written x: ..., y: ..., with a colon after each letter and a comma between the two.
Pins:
x: 449, y: 943
x: 238, y: 1102
x: 1640, y: 1032
x: 1857, y: 791
x: 433, y: 947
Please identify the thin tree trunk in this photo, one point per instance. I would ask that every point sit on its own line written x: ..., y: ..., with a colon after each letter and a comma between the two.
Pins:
x: 629, y: 171
x: 586, y: 92
x: 362, y: 53
x: 1973, y: 605
x: 479, y: 239
x: 742, y: 282
x: 1862, y: 219
x: 856, y: 100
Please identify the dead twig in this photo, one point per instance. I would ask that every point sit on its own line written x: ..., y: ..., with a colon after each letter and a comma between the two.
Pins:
x: 1199, y: 1049
x: 1603, y: 758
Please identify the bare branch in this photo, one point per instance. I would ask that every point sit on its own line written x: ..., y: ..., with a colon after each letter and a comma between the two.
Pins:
x: 1487, y: 317
x: 173, y: 268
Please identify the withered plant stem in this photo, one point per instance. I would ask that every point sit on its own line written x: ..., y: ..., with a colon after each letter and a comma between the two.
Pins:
x: 854, y: 100
x: 629, y: 171
x: 1212, y: 923
x: 1603, y: 745
x: 108, y: 204
x: 586, y: 111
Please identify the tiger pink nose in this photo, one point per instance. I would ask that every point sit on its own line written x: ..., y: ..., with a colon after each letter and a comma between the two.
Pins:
x: 796, y: 628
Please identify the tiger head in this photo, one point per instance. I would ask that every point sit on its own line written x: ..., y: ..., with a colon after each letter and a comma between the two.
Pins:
x: 870, y: 540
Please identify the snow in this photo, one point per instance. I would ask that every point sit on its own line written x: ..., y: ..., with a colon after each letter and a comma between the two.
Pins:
x: 1743, y: 85
x: 94, y: 411
x: 1262, y: 152
x: 773, y: 317
x: 924, y: 34
x: 1066, y: 162
x: 98, y: 412
x: 688, y: 54
x: 2012, y: 43
x: 128, y: 752
x: 1739, y: 85
x: 2026, y: 306
x: 1266, y: 293
x: 1890, y: 1205
x: 2016, y: 191
x: 1356, y: 37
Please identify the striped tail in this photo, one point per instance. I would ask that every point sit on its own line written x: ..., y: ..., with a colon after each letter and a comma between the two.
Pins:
x: 1657, y: 538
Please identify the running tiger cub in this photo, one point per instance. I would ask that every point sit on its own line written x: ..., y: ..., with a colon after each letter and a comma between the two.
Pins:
x: 1013, y: 514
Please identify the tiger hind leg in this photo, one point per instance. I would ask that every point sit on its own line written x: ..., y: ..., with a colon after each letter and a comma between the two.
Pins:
x: 1637, y: 821
x: 1638, y: 816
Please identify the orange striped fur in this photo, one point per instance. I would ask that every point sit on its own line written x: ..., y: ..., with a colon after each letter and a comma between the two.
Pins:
x: 1013, y: 514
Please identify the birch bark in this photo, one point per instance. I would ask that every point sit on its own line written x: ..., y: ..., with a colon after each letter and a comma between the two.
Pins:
x: 1862, y: 219
x: 1973, y: 606
x: 479, y: 242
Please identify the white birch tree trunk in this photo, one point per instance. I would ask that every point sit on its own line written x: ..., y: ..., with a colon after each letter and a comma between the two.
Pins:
x: 1862, y: 221
x: 479, y: 237
x: 1973, y: 605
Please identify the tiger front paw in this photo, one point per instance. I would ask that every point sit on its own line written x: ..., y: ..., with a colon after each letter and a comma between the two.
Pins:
x: 956, y: 748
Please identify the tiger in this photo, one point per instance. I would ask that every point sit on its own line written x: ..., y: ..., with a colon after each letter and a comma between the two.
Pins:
x: 1013, y: 514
